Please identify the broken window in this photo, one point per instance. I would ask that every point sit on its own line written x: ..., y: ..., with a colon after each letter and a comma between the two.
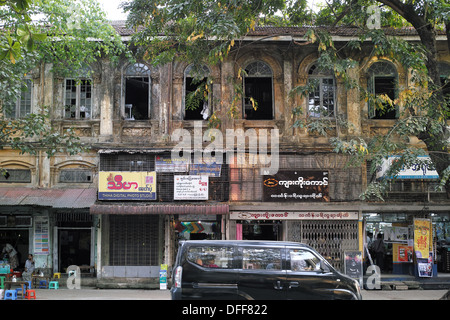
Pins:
x: 321, y: 102
x: 382, y: 84
x: 137, y: 92
x: 258, y: 99
x: 78, y: 99
x: 196, y: 93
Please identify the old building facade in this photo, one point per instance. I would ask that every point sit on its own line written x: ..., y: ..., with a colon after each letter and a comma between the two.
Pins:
x: 67, y: 209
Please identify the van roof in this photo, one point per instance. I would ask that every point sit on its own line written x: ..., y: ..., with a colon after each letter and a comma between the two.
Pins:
x: 247, y: 242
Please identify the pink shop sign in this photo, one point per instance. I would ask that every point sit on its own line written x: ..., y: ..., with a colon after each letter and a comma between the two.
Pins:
x: 294, y: 215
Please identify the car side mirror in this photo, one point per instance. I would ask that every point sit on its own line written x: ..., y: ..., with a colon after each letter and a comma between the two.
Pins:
x: 323, y: 267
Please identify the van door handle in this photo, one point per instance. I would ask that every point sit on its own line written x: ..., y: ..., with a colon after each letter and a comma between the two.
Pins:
x: 278, y: 286
x: 293, y: 284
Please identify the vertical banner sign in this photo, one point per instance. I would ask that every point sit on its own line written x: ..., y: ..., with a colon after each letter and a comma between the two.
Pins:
x: 422, y: 238
x: 127, y: 185
x: 41, y: 235
x: 163, y: 277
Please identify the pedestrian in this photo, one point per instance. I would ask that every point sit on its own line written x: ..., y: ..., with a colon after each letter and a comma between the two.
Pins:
x: 379, y: 250
x: 29, y: 268
x: 12, y: 256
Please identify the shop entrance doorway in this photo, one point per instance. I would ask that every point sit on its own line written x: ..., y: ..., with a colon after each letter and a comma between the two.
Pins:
x: 18, y: 238
x: 74, y: 247
x: 261, y: 230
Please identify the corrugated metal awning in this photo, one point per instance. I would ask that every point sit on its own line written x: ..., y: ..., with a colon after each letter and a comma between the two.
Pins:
x: 56, y: 198
x: 125, y: 208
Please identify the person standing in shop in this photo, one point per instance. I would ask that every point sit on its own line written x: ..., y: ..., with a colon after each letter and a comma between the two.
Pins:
x: 379, y: 250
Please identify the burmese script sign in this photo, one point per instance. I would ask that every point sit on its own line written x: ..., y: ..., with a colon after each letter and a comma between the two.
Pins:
x: 296, y: 186
x: 190, y: 187
x: 127, y: 185
x: 293, y: 215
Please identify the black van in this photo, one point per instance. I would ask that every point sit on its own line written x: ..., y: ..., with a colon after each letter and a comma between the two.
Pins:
x: 256, y: 270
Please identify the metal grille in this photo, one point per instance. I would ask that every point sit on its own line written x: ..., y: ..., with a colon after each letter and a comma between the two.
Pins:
x: 330, y: 238
x: 134, y: 240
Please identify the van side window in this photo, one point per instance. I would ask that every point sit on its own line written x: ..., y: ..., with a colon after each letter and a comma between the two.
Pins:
x: 303, y: 260
x: 261, y: 258
x: 211, y: 256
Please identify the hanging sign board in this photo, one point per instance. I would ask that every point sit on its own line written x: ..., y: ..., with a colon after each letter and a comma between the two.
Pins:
x: 422, y: 238
x: 293, y: 215
x: 169, y: 164
x: 190, y: 187
x: 296, y: 186
x: 422, y: 169
x: 126, y: 185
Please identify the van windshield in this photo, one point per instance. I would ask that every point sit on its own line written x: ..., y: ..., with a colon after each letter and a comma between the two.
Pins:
x: 211, y: 256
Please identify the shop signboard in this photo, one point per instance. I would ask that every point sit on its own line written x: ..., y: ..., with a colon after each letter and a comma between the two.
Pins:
x: 353, y: 265
x: 163, y: 277
x: 422, y: 169
x: 125, y: 185
x: 190, y: 187
x: 294, y: 215
x: 296, y: 186
x: 165, y: 163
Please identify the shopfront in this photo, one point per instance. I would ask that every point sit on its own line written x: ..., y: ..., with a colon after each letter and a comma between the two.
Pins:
x: 331, y: 233
x: 416, y: 243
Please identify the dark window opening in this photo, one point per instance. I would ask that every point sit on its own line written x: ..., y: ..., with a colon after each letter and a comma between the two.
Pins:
x: 260, y: 89
x: 137, y: 98
x: 196, y: 106
x: 386, y: 86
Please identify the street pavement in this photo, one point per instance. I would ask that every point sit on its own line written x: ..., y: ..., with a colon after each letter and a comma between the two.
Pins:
x: 140, y: 294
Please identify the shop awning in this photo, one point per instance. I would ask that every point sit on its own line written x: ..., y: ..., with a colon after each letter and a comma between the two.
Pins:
x: 56, y: 198
x: 126, y: 208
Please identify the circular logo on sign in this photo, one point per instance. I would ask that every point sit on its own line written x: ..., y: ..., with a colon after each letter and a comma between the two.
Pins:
x: 271, y: 182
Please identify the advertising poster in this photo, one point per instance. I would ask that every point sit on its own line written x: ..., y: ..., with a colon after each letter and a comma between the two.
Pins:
x: 190, y: 187
x: 127, y: 185
x: 296, y: 186
x: 354, y: 265
x: 41, y: 235
x: 422, y: 236
x: 405, y: 254
x: 396, y: 234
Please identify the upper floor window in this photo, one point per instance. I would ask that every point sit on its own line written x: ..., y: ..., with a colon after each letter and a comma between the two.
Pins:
x: 321, y: 100
x: 382, y: 80
x: 22, y: 105
x: 78, y: 99
x: 197, y: 104
x: 258, y: 89
x: 15, y: 176
x: 137, y: 92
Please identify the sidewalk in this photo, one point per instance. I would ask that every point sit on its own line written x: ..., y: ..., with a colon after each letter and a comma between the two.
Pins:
x: 141, y: 294
x: 408, y: 282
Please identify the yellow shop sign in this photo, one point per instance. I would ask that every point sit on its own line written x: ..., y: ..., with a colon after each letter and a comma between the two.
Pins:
x: 127, y: 185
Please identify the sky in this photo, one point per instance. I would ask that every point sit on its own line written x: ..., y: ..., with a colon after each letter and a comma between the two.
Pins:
x: 112, y: 10
x: 114, y: 13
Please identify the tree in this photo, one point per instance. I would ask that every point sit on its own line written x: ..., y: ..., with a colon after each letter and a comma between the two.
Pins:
x: 207, y: 31
x: 68, y: 35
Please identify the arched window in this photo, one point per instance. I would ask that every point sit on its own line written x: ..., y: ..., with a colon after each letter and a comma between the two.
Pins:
x: 322, y: 100
x: 258, y: 89
x: 137, y: 92
x: 197, y: 105
x: 382, y: 80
